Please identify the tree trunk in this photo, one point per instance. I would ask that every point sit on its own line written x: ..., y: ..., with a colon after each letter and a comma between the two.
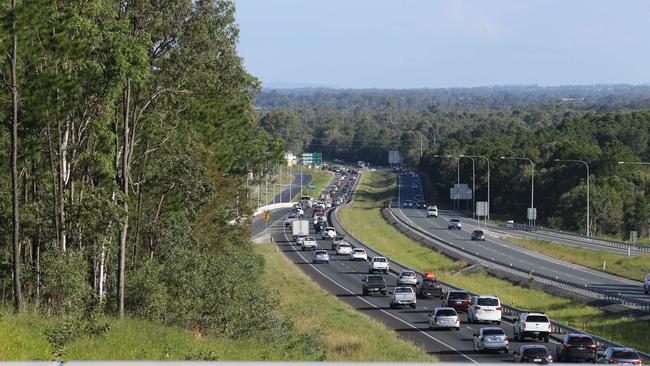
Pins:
x: 125, y: 201
x: 18, y: 295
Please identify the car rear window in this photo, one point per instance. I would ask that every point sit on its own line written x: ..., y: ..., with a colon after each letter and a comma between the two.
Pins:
x: 625, y: 354
x: 408, y: 274
x: 379, y: 259
x: 403, y: 290
x: 536, y: 351
x: 429, y: 283
x: 478, y: 232
x: 446, y: 312
x: 359, y: 250
x: 320, y: 252
x: 582, y: 341
x: 537, y: 318
x: 454, y: 220
x: 375, y: 278
x: 488, y: 301
x: 458, y: 295
x: 493, y: 332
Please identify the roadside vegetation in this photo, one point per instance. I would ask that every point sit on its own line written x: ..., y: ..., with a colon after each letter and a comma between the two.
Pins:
x: 634, y: 267
x: 372, y: 192
x: 347, y: 334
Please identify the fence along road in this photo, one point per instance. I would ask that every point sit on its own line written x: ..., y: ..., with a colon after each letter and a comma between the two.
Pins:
x: 602, y: 285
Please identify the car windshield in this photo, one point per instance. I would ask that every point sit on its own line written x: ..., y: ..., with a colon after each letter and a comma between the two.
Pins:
x: 403, y: 290
x: 488, y: 301
x: 493, y: 331
x: 537, y: 318
x: 630, y: 355
x: 446, y: 312
x: 458, y: 295
x: 581, y: 340
x: 537, y: 351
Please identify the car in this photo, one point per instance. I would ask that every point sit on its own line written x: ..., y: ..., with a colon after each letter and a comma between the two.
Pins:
x: 445, y: 318
x: 402, y: 296
x: 379, y: 264
x: 358, y: 254
x: 576, y: 347
x: 421, y: 205
x: 309, y: 243
x: 491, y: 339
x: 621, y: 355
x: 478, y: 235
x: 407, y: 204
x: 343, y: 249
x: 407, y: 278
x: 532, y: 353
x: 432, y: 211
x: 328, y: 233
x: 290, y: 218
x: 298, y: 211
x: 454, y: 224
x: 484, y: 308
x: 459, y: 300
x: 320, y: 256
x: 300, y: 239
x: 646, y: 284
x: 373, y: 283
x: 533, y: 325
x: 429, y: 287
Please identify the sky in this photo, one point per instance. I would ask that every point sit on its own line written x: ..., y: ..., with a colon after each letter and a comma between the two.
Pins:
x: 444, y: 43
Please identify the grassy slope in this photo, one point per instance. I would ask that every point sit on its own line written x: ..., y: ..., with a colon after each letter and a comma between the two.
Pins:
x: 365, y: 221
x: 22, y: 338
x: 635, y: 267
x: 348, y: 334
x: 319, y: 178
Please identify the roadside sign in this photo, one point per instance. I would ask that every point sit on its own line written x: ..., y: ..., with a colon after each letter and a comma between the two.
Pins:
x: 482, y: 208
x: 266, y: 216
x: 633, y: 236
x: 532, y: 213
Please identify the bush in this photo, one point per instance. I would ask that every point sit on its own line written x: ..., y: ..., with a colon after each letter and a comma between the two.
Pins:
x: 147, y: 295
x: 65, y: 287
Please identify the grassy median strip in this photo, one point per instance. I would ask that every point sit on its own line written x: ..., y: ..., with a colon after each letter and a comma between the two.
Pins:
x: 634, y: 267
x: 347, y: 334
x: 363, y: 218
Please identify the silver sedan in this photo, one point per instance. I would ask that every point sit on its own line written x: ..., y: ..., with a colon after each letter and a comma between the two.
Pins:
x: 444, y: 318
x: 407, y: 278
x: 491, y: 338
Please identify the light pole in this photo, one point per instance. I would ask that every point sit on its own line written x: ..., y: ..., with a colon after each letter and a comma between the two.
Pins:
x: 488, y: 179
x: 532, y: 185
x: 587, y: 166
x: 457, y: 172
x: 473, y: 184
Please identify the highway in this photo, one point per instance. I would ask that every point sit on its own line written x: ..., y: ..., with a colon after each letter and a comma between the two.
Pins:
x: 503, y: 251
x: 258, y: 225
x: 342, y: 278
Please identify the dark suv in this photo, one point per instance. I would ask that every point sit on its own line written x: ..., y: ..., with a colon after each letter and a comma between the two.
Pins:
x: 373, y: 283
x: 428, y: 288
x: 459, y: 300
x: 576, y: 347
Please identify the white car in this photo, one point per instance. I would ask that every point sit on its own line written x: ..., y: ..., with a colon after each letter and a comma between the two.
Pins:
x: 379, y: 264
x: 484, y: 308
x: 532, y: 325
x: 454, y: 224
x: 358, y: 254
x: 300, y: 239
x: 646, y: 284
x: 444, y: 318
x: 320, y: 256
x: 329, y: 233
x: 343, y: 249
x: 402, y: 296
x: 407, y: 278
x: 432, y: 211
x: 309, y: 243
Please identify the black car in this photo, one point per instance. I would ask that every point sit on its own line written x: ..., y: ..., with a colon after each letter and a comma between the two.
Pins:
x: 576, y: 347
x: 373, y: 283
x: 428, y: 288
x: 478, y: 235
x: 532, y: 353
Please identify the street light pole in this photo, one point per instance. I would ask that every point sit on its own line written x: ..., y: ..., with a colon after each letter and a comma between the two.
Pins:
x: 457, y: 202
x: 587, y: 166
x: 532, y: 184
x: 488, y: 179
x: 473, y: 184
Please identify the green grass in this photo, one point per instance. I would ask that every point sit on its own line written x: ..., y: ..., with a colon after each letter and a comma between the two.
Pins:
x: 319, y: 178
x: 348, y: 334
x: 22, y: 338
x: 363, y: 218
x: 635, y: 267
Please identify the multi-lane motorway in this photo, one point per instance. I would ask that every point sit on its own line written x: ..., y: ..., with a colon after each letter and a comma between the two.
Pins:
x: 409, y: 187
x: 342, y: 278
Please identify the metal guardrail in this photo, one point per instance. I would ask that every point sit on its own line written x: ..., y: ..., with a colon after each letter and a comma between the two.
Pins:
x: 509, y: 311
x: 619, y: 244
x: 583, y: 289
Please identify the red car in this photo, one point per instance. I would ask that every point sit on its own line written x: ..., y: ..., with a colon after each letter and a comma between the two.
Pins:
x: 459, y: 300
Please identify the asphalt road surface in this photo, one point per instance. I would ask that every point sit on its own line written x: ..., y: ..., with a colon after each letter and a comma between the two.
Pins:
x: 342, y: 278
x: 503, y: 251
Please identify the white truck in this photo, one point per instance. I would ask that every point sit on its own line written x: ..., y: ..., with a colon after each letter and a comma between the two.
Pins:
x: 309, y: 243
x: 402, y: 296
x: 533, y: 325
x: 299, y: 227
x: 378, y: 264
